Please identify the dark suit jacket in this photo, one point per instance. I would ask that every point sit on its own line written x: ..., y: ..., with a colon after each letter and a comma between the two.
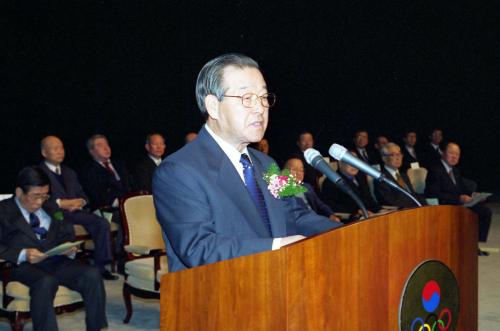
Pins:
x: 315, y: 202
x: 101, y: 186
x: 342, y: 202
x: 143, y: 174
x: 438, y: 184
x: 207, y: 213
x: 387, y: 195
x: 429, y: 156
x: 408, y: 159
x: 16, y: 233
x: 71, y: 188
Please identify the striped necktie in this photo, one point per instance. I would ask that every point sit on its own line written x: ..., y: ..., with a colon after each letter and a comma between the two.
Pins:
x: 35, y: 226
x: 254, y: 190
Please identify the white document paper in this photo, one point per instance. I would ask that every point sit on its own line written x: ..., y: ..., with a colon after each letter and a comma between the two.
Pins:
x: 476, y: 198
x: 63, y: 248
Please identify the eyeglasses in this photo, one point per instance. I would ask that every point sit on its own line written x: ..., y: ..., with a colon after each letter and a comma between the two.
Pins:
x: 249, y: 100
x: 37, y: 196
x: 394, y: 155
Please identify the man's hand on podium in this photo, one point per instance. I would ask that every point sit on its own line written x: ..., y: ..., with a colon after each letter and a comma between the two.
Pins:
x: 290, y: 240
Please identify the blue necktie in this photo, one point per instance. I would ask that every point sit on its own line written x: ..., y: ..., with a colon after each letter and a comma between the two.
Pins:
x: 35, y: 226
x: 254, y: 190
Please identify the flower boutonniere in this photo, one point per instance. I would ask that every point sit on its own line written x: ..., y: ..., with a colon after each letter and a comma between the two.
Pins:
x: 282, y: 184
x: 58, y: 215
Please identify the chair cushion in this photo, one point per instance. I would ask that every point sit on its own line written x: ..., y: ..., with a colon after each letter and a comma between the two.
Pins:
x: 21, y: 302
x: 141, y: 272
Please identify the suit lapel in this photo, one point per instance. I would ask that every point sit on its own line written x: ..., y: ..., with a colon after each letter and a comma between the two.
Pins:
x: 54, y: 182
x: 20, y: 222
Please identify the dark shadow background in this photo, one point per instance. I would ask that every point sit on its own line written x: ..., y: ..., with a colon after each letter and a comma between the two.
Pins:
x: 126, y: 68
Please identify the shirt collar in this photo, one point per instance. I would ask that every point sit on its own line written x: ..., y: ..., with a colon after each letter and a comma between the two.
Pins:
x: 232, y: 153
x: 392, y: 171
x: 157, y: 161
x: 446, y: 166
x: 52, y: 167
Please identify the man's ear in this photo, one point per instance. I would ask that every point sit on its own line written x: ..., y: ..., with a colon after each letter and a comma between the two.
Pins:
x: 212, y: 106
x: 44, y: 154
x: 19, y: 192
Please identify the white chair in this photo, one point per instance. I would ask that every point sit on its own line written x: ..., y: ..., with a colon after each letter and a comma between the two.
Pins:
x: 417, y: 178
x: 145, y: 248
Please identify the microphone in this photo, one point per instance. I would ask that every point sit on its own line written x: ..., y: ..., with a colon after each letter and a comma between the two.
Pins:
x: 314, y: 158
x: 340, y: 153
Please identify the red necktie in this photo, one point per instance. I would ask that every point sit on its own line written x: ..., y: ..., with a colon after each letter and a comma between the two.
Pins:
x: 107, y: 165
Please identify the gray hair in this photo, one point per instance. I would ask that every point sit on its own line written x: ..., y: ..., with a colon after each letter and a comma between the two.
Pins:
x: 209, y: 80
x: 384, y: 151
x: 91, y: 141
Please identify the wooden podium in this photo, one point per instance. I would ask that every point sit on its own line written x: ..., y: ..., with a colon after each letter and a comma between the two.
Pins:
x: 350, y: 278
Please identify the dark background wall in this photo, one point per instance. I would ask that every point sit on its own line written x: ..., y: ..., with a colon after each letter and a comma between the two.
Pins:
x: 125, y: 68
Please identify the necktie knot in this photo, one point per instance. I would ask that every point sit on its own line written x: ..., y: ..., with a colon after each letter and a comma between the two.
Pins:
x: 245, y: 161
x: 35, y: 226
x: 58, y: 170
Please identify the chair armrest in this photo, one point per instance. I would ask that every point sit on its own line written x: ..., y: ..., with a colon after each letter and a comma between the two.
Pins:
x: 138, y: 250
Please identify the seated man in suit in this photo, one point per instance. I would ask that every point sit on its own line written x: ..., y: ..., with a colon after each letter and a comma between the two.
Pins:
x: 409, y: 149
x: 360, y: 142
x: 380, y: 141
x: 68, y: 194
x: 445, y: 183
x: 305, y: 140
x: 27, y: 230
x: 146, y: 166
x: 210, y: 196
x: 386, y: 195
x: 104, y: 181
x: 342, y: 202
x: 432, y: 152
x: 309, y: 198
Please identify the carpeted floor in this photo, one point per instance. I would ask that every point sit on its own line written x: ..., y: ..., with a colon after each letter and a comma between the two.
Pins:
x: 146, y: 312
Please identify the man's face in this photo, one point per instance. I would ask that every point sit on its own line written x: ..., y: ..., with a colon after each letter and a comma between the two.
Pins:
x: 361, y: 139
x: 381, y: 141
x: 394, y: 158
x: 452, y: 154
x: 101, y: 150
x: 53, y: 150
x: 305, y: 141
x: 34, y: 198
x: 437, y: 137
x: 296, y: 169
x: 156, y: 146
x: 410, y: 139
x: 235, y: 123
x: 347, y: 169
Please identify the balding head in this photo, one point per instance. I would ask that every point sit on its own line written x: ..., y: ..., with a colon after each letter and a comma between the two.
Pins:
x: 52, y: 150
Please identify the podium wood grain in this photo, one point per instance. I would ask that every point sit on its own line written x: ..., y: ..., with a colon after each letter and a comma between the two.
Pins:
x: 350, y: 278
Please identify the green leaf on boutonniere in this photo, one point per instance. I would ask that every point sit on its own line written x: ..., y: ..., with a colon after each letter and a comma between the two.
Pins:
x: 58, y: 215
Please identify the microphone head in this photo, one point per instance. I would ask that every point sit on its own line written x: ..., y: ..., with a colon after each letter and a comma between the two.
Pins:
x: 310, y: 154
x: 337, y: 151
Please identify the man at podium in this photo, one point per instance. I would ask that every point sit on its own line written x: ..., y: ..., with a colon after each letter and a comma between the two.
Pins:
x: 210, y: 196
